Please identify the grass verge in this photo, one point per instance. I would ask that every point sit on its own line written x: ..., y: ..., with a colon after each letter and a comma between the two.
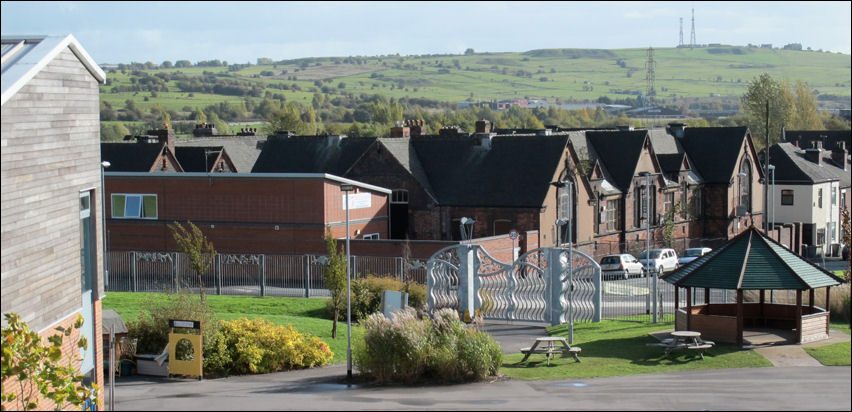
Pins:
x: 307, y: 315
x: 618, y: 347
x: 835, y: 354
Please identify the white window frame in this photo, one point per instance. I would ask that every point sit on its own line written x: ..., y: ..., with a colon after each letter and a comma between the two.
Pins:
x: 139, y: 213
x: 371, y: 236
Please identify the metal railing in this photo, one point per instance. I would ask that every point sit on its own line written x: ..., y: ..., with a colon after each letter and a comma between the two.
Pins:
x: 246, y: 274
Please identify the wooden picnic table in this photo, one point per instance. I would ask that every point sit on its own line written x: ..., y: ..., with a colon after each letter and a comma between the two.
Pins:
x: 685, y: 339
x: 548, y: 345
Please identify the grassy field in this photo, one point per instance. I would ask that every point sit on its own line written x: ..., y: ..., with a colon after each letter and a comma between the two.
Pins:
x: 617, y: 347
x: 306, y: 315
x: 553, y: 74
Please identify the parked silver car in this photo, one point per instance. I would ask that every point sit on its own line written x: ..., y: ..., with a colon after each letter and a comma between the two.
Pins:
x: 620, y: 266
x: 693, y: 253
x: 659, y: 260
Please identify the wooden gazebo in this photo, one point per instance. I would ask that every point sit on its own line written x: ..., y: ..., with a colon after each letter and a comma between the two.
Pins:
x: 752, y: 261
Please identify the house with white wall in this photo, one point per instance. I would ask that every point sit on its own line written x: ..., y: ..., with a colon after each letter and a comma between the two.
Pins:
x: 811, y: 186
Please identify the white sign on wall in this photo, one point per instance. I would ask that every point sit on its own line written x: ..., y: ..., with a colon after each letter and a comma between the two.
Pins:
x: 357, y: 201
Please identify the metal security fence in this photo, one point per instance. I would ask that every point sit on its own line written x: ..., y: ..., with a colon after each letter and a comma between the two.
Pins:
x: 246, y: 274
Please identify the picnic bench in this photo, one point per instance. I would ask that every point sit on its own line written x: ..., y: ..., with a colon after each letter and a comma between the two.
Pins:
x: 548, y: 346
x: 685, y: 339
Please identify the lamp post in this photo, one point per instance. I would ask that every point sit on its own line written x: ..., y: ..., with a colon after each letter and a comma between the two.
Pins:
x: 348, y: 188
x: 648, y: 269
x: 772, y: 220
x: 104, y: 164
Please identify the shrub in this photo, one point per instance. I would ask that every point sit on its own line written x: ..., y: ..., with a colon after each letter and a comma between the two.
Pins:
x: 407, y: 349
x: 151, y: 328
x: 367, y: 293
x: 246, y: 346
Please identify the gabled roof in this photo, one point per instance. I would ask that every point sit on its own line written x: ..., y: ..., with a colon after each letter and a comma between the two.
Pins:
x: 402, y: 150
x: 752, y: 261
x: 619, y: 151
x: 198, y: 158
x: 131, y: 157
x: 791, y: 166
x: 311, y: 154
x: 242, y: 150
x: 714, y: 151
x: 24, y: 57
x: 515, y: 171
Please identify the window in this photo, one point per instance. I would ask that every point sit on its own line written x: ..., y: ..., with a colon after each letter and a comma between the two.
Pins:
x: 696, y: 203
x: 786, y: 197
x: 371, y: 236
x: 668, y: 202
x: 399, y: 196
x: 134, y: 206
x: 819, y: 198
x: 745, y: 184
x: 565, y: 202
x: 87, y: 242
x: 820, y: 240
x: 611, y: 215
x: 833, y: 197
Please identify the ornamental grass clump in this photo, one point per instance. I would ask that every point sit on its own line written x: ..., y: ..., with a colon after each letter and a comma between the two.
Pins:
x: 407, y: 349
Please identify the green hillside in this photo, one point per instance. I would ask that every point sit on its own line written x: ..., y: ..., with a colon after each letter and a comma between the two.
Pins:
x: 556, y: 75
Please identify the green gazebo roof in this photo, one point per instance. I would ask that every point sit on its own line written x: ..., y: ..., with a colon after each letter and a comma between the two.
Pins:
x: 752, y: 261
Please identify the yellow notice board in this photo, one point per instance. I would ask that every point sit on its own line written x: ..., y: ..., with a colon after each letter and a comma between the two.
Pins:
x: 191, y: 367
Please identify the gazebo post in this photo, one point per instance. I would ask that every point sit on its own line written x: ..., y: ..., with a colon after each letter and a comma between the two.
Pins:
x: 762, y: 300
x: 799, y: 316
x: 706, y: 296
x: 739, y: 317
x: 688, y: 306
x: 827, y: 307
x: 677, y: 301
x: 811, y: 298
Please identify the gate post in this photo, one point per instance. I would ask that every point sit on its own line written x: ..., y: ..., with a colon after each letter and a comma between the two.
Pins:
x: 555, y: 288
x: 468, y: 283
x: 307, y: 265
x: 175, y: 273
x: 598, y: 299
x: 262, y: 279
x: 218, y: 273
x: 133, y: 272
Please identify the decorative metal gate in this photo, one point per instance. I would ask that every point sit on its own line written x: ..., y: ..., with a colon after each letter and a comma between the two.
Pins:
x: 537, y: 287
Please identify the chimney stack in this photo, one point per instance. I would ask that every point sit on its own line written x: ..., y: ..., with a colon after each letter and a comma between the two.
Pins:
x: 814, y: 153
x: 838, y: 155
x: 166, y: 136
x: 416, y: 127
x: 677, y: 129
x: 483, y: 126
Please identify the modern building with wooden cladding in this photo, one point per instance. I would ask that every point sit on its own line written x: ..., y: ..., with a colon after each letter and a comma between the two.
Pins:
x: 52, y: 260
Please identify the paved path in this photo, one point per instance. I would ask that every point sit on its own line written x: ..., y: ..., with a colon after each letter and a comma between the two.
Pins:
x: 770, y: 388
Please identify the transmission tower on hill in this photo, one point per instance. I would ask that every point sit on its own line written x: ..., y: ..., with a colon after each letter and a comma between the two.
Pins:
x: 692, y: 36
x: 680, y: 42
x: 650, y: 75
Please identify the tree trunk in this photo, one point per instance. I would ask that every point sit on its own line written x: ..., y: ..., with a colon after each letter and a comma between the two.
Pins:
x: 334, y: 323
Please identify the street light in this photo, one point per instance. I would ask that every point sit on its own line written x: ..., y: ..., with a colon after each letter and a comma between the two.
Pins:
x: 772, y: 173
x: 348, y: 188
x: 466, y: 227
x: 647, y: 176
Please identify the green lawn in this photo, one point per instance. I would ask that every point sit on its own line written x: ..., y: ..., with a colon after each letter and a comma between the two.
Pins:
x: 617, y: 347
x: 836, y: 354
x: 306, y: 315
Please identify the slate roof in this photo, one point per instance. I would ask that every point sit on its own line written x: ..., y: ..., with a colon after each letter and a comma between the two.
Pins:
x: 243, y: 150
x: 582, y: 147
x: 402, y: 150
x: 514, y: 172
x: 131, y: 157
x: 311, y: 154
x: 619, y: 151
x: 752, y: 261
x: 24, y: 57
x: 714, y: 150
x: 197, y: 159
x: 791, y: 166
x: 829, y: 138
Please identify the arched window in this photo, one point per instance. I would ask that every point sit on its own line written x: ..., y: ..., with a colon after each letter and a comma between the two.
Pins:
x: 744, y: 177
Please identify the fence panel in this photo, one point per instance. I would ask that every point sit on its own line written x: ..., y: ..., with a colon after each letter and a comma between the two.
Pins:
x: 285, y: 275
x: 154, y: 271
x: 121, y: 272
x: 240, y: 274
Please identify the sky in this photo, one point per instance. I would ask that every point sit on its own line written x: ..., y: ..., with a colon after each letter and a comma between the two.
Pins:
x: 242, y: 32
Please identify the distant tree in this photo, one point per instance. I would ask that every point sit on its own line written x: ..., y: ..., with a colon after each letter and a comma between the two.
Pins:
x: 468, y: 52
x: 761, y: 90
x: 197, y: 249
x: 222, y: 127
x: 183, y: 63
x: 805, y: 116
x: 167, y: 65
x: 286, y: 118
x: 113, y: 132
x: 199, y: 116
